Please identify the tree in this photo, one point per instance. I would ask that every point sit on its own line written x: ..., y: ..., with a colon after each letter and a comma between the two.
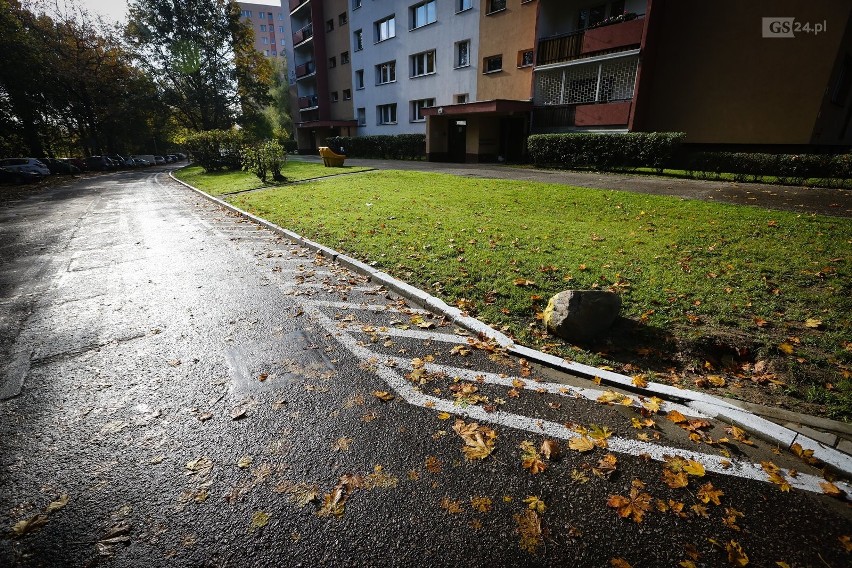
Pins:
x: 278, y: 113
x: 203, y: 60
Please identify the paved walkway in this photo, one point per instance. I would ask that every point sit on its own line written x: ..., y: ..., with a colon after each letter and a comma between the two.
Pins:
x: 834, y: 202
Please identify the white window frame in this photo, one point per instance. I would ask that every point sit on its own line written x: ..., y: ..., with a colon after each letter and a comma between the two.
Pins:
x: 358, y: 40
x: 381, y: 72
x: 492, y: 9
x: 386, y: 114
x: 422, y: 59
x: 463, y: 6
x: 359, y: 80
x: 361, y: 116
x: 457, y: 52
x: 417, y: 109
x: 425, y: 6
x: 485, y: 70
x: 385, y: 28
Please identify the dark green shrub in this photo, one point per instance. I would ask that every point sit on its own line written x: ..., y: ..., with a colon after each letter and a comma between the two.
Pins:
x: 264, y: 158
x: 788, y: 169
x: 398, y: 147
x: 290, y: 146
x: 216, y: 149
x: 604, y: 151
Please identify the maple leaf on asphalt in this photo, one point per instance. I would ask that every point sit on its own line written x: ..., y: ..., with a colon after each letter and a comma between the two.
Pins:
x: 530, y: 459
x: 736, y: 554
x: 805, y: 455
x: 775, y: 475
x: 708, y: 494
x: 481, y: 504
x: 739, y: 435
x: 384, y: 396
x: 831, y: 489
x: 433, y: 464
x: 581, y: 444
x: 731, y: 517
x: 550, y: 450
x: 529, y: 529
x: 676, y: 417
x: 29, y: 525
x: 606, y: 466
x: 535, y: 503
x: 619, y: 563
x: 450, y: 506
x: 846, y: 542
x: 479, y: 440
x: 56, y: 505
x: 675, y: 480
x: 635, y: 506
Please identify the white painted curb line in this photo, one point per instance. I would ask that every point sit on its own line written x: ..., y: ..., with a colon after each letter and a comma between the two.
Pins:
x: 707, y: 404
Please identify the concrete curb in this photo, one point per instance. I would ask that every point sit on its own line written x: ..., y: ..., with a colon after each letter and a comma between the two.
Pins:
x: 708, y: 404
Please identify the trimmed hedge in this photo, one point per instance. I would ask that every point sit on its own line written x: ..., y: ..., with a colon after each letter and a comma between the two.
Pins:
x: 398, y: 147
x: 290, y: 146
x: 605, y: 151
x: 216, y: 149
x: 789, y: 169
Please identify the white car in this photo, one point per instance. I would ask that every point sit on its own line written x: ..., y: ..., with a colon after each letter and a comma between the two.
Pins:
x: 30, y: 165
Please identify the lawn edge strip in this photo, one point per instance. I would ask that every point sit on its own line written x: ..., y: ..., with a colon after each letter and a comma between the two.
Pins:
x: 708, y: 404
x: 294, y: 182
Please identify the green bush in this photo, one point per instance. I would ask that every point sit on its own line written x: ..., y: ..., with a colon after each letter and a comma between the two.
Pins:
x: 788, y: 169
x: 290, y: 146
x: 398, y: 147
x: 215, y: 149
x: 604, y: 151
x: 264, y: 158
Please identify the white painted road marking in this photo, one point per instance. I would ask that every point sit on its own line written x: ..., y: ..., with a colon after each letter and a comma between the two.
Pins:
x: 717, y: 464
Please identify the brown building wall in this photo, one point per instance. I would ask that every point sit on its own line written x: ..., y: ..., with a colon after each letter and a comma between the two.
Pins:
x: 506, y: 32
x: 718, y: 80
x: 336, y: 43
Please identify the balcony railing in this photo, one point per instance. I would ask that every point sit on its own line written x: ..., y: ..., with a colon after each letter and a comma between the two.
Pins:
x: 309, y: 102
x: 305, y: 69
x: 296, y: 3
x: 613, y: 114
x: 593, y: 41
x: 305, y: 33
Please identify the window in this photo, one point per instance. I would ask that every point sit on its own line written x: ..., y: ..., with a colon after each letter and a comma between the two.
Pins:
x: 525, y: 58
x: 591, y: 16
x: 461, y: 99
x: 358, y: 39
x: 281, y: 17
x: 347, y: 94
x: 274, y: 53
x: 283, y: 42
x: 261, y: 15
x: 262, y: 28
x: 462, y: 53
x: 334, y: 96
x: 493, y: 64
x: 342, y: 19
x: 422, y: 14
x: 265, y: 40
x: 386, y: 114
x: 356, y: 4
x: 281, y: 29
x: 496, y: 6
x: 417, y: 109
x: 423, y: 64
x: 359, y: 79
x: 269, y: 15
x: 266, y: 52
x: 344, y: 58
x: 329, y: 25
x: 462, y: 5
x: 332, y: 62
x: 385, y: 29
x: 248, y: 14
x: 386, y: 73
x: 362, y: 116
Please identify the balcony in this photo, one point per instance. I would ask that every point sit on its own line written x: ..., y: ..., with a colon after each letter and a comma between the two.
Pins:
x: 308, y: 103
x: 303, y: 34
x: 305, y: 69
x: 593, y: 41
x: 296, y: 4
x: 568, y: 117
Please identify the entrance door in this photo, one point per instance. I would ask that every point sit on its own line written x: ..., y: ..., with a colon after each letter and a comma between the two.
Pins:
x: 457, y: 141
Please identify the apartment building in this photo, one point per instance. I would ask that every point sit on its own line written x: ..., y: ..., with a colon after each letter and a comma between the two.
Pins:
x: 478, y: 76
x: 269, y: 25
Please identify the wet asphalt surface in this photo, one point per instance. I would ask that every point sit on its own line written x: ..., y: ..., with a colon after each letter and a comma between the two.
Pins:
x: 199, y: 387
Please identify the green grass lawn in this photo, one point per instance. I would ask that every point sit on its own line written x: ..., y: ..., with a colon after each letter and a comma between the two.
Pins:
x: 220, y: 183
x: 708, y: 288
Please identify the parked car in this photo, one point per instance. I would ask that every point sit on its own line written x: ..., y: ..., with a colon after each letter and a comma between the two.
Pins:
x: 57, y: 166
x: 140, y: 163
x: 99, y: 163
x: 180, y: 156
x: 8, y: 176
x: 80, y: 163
x: 159, y: 160
x: 25, y: 165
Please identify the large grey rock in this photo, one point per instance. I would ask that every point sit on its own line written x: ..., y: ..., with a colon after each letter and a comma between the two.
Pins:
x: 581, y: 314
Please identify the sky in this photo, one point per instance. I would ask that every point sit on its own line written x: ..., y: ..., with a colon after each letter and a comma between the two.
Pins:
x: 116, y: 10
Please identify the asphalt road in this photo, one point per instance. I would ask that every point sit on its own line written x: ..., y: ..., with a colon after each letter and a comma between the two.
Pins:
x: 184, y: 388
